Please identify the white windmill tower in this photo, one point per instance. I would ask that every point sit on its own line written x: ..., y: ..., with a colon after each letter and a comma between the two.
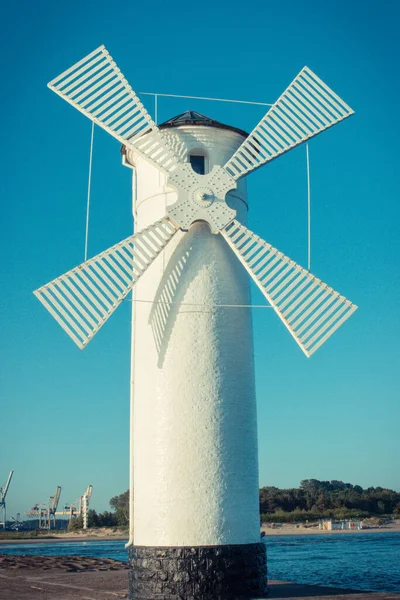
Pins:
x: 193, y: 427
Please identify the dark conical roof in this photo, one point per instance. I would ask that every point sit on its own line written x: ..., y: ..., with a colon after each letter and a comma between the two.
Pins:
x: 191, y: 117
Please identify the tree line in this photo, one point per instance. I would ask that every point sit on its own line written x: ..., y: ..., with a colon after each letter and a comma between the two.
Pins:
x: 313, y: 500
x: 316, y: 499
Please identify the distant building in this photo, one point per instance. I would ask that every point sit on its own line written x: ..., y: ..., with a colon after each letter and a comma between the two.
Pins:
x: 329, y: 525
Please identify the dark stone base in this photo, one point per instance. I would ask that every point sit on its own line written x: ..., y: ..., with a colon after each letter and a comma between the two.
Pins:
x: 233, y: 572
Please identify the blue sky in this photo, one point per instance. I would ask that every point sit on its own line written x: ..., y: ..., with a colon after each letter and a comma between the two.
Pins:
x: 65, y: 413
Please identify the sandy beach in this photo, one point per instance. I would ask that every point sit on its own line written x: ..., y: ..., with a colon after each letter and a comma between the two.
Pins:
x: 104, y: 535
x: 285, y: 529
x: 59, y: 538
x: 95, y: 534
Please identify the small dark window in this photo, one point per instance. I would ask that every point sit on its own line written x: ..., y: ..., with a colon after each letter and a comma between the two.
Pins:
x: 198, y: 163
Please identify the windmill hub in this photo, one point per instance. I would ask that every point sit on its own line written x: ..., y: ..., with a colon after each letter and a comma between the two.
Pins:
x: 203, y: 197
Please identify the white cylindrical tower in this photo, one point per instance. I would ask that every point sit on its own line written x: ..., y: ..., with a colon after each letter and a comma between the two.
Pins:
x: 193, y: 430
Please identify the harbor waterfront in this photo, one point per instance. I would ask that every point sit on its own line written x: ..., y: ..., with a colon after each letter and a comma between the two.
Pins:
x: 362, y: 561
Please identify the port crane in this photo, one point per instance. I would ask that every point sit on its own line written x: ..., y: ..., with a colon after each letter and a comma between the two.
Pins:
x: 46, y: 512
x: 3, y: 494
x: 79, y: 507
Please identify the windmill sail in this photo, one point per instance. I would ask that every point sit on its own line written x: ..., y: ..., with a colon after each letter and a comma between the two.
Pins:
x: 83, y: 299
x: 307, y: 107
x: 310, y: 309
x: 98, y: 89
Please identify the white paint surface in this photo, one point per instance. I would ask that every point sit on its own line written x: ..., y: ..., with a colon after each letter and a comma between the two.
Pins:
x: 194, y: 461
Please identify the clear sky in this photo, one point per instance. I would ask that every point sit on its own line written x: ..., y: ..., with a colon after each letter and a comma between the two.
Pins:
x: 65, y: 413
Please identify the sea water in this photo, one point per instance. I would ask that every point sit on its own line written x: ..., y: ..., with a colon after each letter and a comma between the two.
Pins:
x: 356, y: 561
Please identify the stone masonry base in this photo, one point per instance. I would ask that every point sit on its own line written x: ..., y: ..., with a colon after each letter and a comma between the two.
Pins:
x: 231, y: 572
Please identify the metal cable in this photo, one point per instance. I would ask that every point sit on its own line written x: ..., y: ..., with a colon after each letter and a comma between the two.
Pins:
x: 88, y: 192
x: 308, y: 209
x: 204, y: 98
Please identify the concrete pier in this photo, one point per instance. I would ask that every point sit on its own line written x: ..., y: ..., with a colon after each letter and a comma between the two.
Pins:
x: 78, y: 578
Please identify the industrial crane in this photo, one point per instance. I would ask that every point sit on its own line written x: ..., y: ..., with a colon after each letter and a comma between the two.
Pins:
x: 3, y: 494
x: 46, y: 512
x: 79, y: 507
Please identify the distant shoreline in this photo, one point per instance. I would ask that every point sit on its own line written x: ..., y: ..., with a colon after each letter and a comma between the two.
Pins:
x: 314, y: 531
x: 269, y: 531
x: 56, y: 538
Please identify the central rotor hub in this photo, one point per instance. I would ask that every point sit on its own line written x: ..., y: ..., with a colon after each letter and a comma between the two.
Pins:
x: 203, y: 197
